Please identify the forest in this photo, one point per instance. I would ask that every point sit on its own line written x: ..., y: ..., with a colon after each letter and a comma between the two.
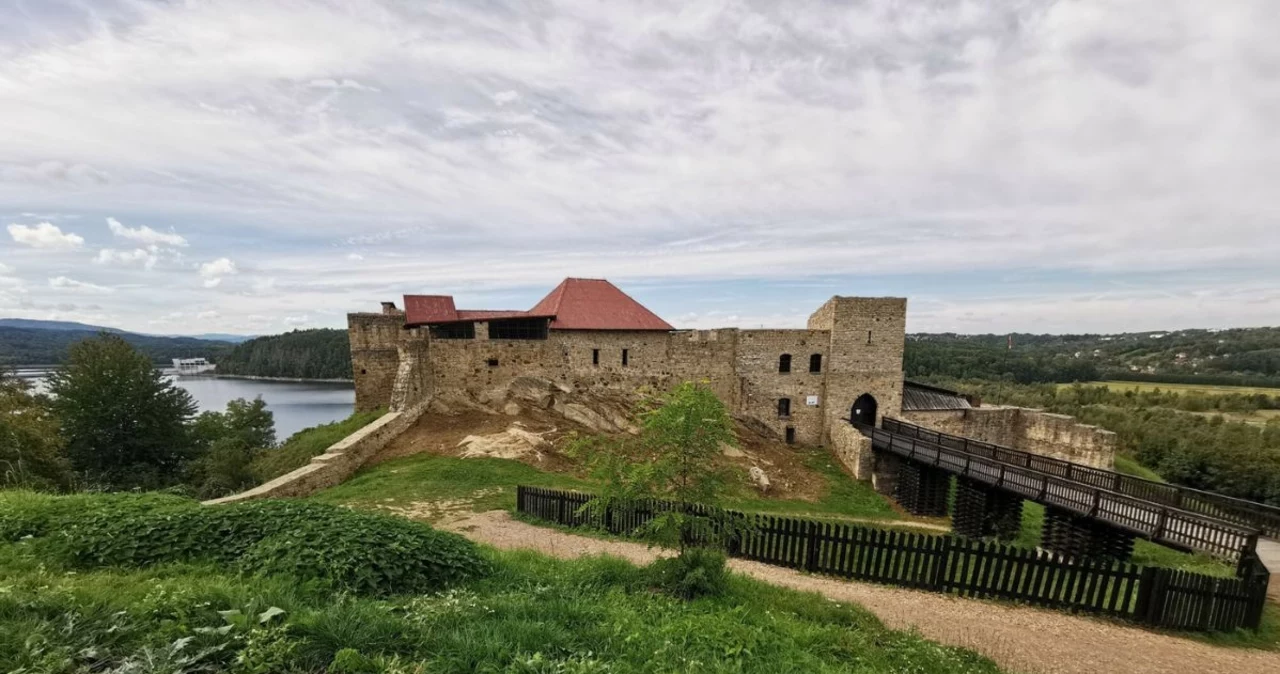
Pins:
x: 1239, y: 357
x: 37, y: 346
x: 302, y: 354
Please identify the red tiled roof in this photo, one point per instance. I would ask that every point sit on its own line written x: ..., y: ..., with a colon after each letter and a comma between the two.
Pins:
x: 419, y: 309
x: 575, y: 304
x: 596, y: 304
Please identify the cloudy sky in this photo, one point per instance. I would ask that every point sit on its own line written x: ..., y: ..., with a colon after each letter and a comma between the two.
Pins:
x: 250, y: 166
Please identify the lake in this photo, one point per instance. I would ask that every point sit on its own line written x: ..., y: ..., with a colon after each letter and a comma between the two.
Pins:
x: 295, y: 405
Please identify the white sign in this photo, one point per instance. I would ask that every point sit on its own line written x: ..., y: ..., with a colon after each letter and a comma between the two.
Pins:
x: 811, y: 401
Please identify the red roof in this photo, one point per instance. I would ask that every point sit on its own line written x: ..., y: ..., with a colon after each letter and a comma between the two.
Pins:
x: 575, y: 304
x: 596, y: 304
x: 419, y: 309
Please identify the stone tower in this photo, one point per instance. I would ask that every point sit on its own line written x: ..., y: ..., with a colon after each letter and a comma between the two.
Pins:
x: 865, y: 355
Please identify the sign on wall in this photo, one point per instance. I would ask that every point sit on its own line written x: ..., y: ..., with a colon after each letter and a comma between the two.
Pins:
x: 811, y: 401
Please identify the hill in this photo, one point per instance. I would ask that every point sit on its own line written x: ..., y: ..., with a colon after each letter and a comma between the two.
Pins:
x: 33, y: 324
x: 303, y: 354
x: 1242, y: 356
x: 45, y: 346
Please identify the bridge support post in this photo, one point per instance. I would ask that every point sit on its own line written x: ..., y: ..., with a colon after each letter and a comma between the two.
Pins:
x: 923, y: 490
x: 884, y: 473
x: 982, y: 511
x: 1067, y: 533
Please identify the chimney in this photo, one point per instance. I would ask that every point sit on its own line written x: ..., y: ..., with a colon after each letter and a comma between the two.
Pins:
x: 389, y: 308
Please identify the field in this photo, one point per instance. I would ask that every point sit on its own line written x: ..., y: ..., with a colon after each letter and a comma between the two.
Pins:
x: 1207, y: 389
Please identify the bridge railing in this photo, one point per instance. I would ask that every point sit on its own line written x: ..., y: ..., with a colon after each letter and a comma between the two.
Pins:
x: 1161, y: 523
x: 1260, y: 516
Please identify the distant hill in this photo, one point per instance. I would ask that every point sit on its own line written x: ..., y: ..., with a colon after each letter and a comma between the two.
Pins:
x: 48, y: 346
x: 302, y: 354
x: 33, y: 324
x: 1239, y: 356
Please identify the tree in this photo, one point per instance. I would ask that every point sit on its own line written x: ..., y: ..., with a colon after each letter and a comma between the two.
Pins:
x: 30, y: 445
x: 125, y: 424
x: 674, y: 458
x: 228, y: 443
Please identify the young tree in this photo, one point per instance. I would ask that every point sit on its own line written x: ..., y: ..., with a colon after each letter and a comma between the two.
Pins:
x: 228, y: 442
x: 125, y: 424
x: 30, y: 446
x: 675, y: 458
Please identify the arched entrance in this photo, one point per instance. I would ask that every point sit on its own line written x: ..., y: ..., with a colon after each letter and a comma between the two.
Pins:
x: 863, y: 410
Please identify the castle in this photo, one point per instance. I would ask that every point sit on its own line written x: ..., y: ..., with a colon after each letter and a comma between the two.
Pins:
x: 589, y: 335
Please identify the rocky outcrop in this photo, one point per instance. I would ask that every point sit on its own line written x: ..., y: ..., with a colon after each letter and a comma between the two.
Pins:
x: 516, y: 442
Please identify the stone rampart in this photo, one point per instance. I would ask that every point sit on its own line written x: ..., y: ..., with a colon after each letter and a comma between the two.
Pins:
x: 337, y: 463
x: 1056, y: 435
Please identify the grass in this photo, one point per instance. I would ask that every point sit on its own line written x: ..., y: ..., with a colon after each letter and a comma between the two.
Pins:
x: 842, y: 495
x: 480, y: 484
x: 488, y: 484
x: 302, y: 446
x: 1208, y: 389
x: 1128, y: 465
x: 532, y: 614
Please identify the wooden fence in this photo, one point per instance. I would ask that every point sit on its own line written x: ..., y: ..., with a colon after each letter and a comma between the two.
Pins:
x: 969, y: 568
x: 1265, y: 518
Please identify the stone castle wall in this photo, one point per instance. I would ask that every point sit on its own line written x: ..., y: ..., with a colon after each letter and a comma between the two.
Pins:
x: 1056, y: 435
x: 395, y: 367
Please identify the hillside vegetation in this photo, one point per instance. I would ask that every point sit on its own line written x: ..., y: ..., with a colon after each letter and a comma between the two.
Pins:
x: 39, y: 346
x: 169, y: 600
x: 302, y: 354
x: 1245, y: 356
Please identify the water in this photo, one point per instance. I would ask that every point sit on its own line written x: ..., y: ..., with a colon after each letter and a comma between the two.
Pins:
x: 295, y: 405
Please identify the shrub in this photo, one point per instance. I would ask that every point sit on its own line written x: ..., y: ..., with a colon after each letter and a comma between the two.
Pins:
x: 369, y: 554
x: 696, y: 572
x: 361, y: 552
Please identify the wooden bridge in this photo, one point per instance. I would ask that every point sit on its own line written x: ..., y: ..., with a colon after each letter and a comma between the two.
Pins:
x: 1180, y: 518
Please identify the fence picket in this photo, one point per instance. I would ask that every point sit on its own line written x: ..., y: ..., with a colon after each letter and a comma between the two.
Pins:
x: 1154, y: 596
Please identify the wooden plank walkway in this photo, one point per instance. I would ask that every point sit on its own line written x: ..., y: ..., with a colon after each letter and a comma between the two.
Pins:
x: 1154, y: 521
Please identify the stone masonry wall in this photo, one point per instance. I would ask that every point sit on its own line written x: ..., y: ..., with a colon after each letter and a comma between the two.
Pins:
x: 853, y: 449
x: 375, y: 357
x: 859, y: 340
x: 337, y: 463
x: 1056, y: 435
x: 867, y: 338
x: 762, y: 385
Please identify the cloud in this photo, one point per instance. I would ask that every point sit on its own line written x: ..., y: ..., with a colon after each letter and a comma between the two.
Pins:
x: 57, y: 173
x: 44, y: 235
x: 136, y: 257
x: 931, y: 151
x: 145, y: 235
x: 329, y: 83
x: 70, y: 284
x: 504, y: 97
x: 215, y: 270
x: 5, y: 269
x: 207, y: 315
x: 355, y: 257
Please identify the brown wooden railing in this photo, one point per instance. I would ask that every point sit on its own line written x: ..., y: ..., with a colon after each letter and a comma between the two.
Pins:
x: 968, y: 568
x: 1265, y: 518
x: 1158, y: 522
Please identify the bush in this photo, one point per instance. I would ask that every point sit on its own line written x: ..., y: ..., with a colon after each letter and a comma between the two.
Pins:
x: 696, y: 572
x: 344, y: 549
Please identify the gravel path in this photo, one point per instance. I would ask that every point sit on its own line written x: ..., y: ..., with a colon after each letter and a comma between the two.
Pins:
x: 1019, y: 638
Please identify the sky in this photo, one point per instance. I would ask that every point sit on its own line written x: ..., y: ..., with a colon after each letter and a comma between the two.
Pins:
x: 254, y: 166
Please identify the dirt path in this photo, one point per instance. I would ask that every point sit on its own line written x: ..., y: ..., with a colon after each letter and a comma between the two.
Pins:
x: 1019, y: 638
